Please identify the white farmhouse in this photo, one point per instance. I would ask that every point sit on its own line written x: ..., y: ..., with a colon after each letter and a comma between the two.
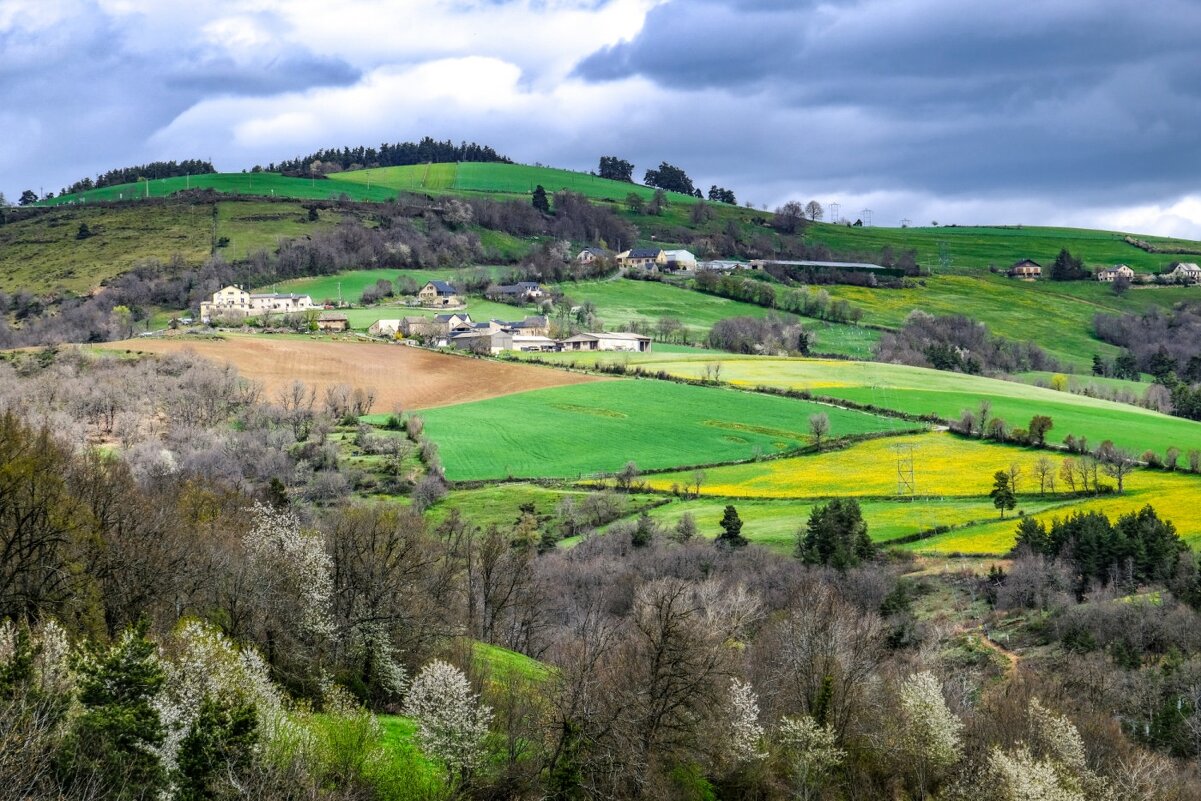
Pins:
x: 234, y: 301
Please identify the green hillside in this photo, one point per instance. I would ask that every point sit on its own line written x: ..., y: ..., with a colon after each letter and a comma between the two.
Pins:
x: 494, y: 178
x: 262, y: 184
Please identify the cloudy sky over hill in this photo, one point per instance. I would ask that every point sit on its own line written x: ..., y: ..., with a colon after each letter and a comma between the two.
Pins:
x: 1036, y: 111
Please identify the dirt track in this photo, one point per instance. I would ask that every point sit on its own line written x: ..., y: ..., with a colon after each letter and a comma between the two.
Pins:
x: 410, y: 377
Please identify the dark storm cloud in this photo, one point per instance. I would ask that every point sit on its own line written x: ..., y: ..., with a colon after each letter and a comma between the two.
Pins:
x: 947, y: 96
x: 217, y: 76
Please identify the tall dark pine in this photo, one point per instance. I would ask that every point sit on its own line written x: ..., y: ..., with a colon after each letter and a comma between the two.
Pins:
x: 540, y: 200
x: 731, y: 529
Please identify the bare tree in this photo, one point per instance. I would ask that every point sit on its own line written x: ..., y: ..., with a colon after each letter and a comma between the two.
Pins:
x: 1116, y: 462
x: 814, y: 210
x: 819, y: 428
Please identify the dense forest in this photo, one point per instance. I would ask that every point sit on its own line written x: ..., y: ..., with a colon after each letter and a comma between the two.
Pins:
x: 216, y: 605
x: 398, y: 154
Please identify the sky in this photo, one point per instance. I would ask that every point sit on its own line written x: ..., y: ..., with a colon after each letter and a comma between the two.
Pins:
x: 1037, y: 112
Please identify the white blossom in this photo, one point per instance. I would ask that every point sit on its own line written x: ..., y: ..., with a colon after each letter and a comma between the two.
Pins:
x: 451, y: 723
x: 811, y: 752
x: 1021, y: 777
x: 8, y: 641
x: 292, y: 555
x: 745, y: 731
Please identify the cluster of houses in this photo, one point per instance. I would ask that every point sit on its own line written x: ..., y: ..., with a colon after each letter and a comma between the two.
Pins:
x: 1181, y: 273
x: 529, y: 335
x: 234, y: 302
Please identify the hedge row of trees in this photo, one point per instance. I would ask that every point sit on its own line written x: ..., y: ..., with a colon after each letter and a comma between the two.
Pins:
x: 803, y: 301
x: 397, y: 154
x: 150, y: 172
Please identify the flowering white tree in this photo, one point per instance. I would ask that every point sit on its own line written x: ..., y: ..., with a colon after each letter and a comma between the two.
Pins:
x: 1050, y: 766
x: 745, y: 731
x: 451, y: 723
x: 293, y: 562
x: 811, y: 754
x: 930, y: 732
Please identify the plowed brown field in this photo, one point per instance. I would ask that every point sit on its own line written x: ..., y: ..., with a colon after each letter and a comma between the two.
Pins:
x: 409, y: 377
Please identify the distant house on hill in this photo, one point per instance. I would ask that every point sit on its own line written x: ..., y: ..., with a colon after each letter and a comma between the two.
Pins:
x: 1026, y: 270
x: 1111, y: 274
x: 1185, y: 273
x: 333, y: 321
x: 438, y: 293
x: 522, y: 290
x: 615, y: 341
x: 589, y: 255
x: 723, y: 265
x: 652, y: 259
x: 234, y: 301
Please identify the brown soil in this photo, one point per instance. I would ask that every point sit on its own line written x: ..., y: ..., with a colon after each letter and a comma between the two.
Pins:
x: 409, y: 377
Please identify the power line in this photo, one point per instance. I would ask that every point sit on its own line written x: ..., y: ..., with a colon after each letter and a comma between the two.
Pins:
x: 906, y: 484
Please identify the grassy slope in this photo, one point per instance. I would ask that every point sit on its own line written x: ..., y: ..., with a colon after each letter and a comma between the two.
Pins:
x: 251, y: 226
x: 1016, y: 309
x: 504, y: 179
x: 978, y: 247
x: 41, y: 254
x: 266, y: 184
x: 499, y: 505
x: 353, y: 282
x: 623, y: 301
x: 920, y: 391
x: 570, y: 431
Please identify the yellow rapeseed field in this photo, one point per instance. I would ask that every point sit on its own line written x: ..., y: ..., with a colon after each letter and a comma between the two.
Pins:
x: 943, y: 465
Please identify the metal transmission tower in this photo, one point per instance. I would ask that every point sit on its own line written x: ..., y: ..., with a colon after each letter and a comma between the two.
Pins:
x: 835, y: 212
x: 944, y: 256
x: 867, y: 217
x: 905, y: 222
x: 906, y: 484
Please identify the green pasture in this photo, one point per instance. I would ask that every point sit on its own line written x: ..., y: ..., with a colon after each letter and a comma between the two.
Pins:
x: 352, y: 282
x: 624, y: 301
x: 774, y: 524
x: 598, y: 427
x: 917, y: 390
x: 1058, y: 316
x: 502, y: 665
x: 978, y: 247
x: 265, y: 184
x: 504, y: 179
x: 499, y: 504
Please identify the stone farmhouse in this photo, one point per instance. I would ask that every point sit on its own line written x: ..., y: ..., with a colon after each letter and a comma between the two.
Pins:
x: 1111, y: 274
x: 589, y: 255
x: 1185, y: 273
x: 236, y: 302
x: 652, y: 259
x: 1026, y: 270
x: 439, y: 293
x: 333, y: 321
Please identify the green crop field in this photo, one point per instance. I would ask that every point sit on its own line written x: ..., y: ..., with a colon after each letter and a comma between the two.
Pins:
x: 916, y: 390
x: 978, y: 247
x: 1016, y: 309
x: 495, y: 178
x: 585, y: 429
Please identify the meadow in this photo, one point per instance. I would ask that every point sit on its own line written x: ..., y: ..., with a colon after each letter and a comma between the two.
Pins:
x: 499, y: 504
x: 978, y: 247
x: 264, y: 184
x: 570, y: 432
x: 623, y: 301
x: 496, y: 178
x: 920, y: 391
x: 1016, y: 309
x: 774, y: 523
x: 350, y: 284
x: 251, y: 226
